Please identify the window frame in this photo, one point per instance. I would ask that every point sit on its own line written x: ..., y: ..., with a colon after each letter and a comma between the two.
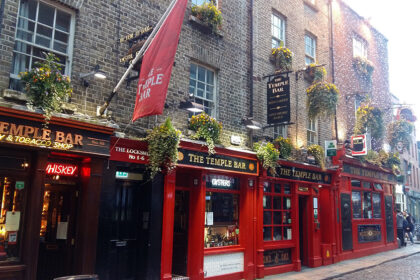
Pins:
x: 202, y: 100
x: 71, y: 34
x: 312, y: 123
x: 313, y: 46
x: 280, y: 41
x: 373, y: 191
x: 282, y: 196
x: 359, y: 47
x: 280, y: 130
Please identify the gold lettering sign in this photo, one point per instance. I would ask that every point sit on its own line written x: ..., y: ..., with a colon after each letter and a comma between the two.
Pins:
x: 41, y: 137
x: 136, y: 34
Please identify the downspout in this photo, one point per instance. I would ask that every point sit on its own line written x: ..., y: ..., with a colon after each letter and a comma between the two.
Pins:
x: 2, y: 14
x: 251, y: 93
x: 331, y: 18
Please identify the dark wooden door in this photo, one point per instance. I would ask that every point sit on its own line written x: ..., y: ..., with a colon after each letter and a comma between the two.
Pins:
x: 389, y: 219
x: 57, y: 235
x: 346, y: 225
x: 180, y: 242
x: 303, y: 229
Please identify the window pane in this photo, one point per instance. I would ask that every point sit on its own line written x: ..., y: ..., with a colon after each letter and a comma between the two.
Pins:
x: 287, y: 218
x: 25, y: 30
x: 366, y: 185
x: 28, y: 9
x: 276, y: 202
x: 277, y: 233
x: 210, y: 77
x: 209, y: 94
x: 62, y: 21
x: 277, y: 217
x: 357, y: 205
x: 201, y: 74
x: 286, y: 203
x: 267, y: 233
x: 46, y: 14
x: 287, y: 233
x: 62, y: 37
x: 286, y: 188
x: 267, y: 202
x: 376, y: 201
x: 60, y: 47
x: 277, y: 188
x: 267, y: 187
x: 355, y: 183
x: 367, y: 205
x: 20, y: 63
x: 267, y: 218
x: 378, y: 186
x: 193, y: 71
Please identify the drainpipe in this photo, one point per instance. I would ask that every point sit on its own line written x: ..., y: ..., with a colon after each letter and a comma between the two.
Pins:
x: 331, y: 18
x: 251, y: 94
x: 2, y: 14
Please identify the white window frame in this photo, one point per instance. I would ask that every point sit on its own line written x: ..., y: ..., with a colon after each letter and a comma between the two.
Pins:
x: 68, y: 55
x: 280, y: 130
x: 311, y: 131
x: 310, y: 49
x: 359, y: 48
x: 200, y: 99
x: 278, y: 30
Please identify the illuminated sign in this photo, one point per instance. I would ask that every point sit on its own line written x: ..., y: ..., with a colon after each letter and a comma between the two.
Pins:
x: 121, y: 175
x: 61, y: 169
x: 220, y: 183
x: 359, y: 147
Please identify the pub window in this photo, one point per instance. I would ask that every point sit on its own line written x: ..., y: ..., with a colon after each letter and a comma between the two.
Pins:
x: 277, y: 205
x: 41, y: 28
x: 310, y: 49
x: 203, y: 87
x: 280, y: 130
x: 222, y: 212
x: 366, y: 202
x: 12, y: 193
x: 359, y: 48
x: 311, y: 134
x: 278, y: 31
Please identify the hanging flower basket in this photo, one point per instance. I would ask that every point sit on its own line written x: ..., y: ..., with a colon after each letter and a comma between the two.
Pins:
x: 282, y: 58
x: 399, y: 134
x: 209, y: 15
x: 369, y: 117
x: 322, y: 99
x: 46, y: 88
x: 268, y: 155
x: 284, y: 146
x: 364, y: 68
x: 318, y: 153
x: 206, y: 128
x: 315, y: 73
x: 163, y: 142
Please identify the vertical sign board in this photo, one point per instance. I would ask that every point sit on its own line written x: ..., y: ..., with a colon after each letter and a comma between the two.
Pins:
x: 359, y: 146
x: 278, y: 100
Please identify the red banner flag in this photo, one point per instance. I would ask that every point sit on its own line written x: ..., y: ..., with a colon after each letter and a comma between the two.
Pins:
x: 156, y: 67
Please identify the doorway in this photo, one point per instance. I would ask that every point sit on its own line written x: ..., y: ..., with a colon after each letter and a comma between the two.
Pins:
x: 303, y: 229
x: 57, y: 233
x: 180, y: 242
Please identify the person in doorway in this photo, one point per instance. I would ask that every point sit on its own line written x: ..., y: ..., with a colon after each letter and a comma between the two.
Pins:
x: 410, y: 226
x: 400, y: 228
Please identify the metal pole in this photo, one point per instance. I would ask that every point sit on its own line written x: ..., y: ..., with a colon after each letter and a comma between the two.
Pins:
x: 139, y: 55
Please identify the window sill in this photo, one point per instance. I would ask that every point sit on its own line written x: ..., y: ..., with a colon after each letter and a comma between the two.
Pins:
x: 14, y: 95
x: 203, y: 27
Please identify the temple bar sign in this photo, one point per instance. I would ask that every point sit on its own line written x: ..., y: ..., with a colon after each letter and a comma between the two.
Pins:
x: 278, y: 100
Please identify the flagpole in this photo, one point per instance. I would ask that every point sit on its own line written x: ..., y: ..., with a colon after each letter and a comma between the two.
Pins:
x: 139, y: 54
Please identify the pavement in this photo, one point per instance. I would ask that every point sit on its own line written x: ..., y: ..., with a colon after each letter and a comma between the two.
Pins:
x: 349, y: 266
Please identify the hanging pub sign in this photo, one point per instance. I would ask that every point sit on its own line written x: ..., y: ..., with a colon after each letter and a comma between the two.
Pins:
x: 136, y: 40
x: 31, y: 133
x: 299, y: 174
x: 217, y: 162
x: 359, y: 145
x: 278, y: 100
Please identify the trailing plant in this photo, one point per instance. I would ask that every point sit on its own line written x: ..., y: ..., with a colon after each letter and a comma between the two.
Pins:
x: 318, y: 153
x: 282, y: 58
x: 315, y: 72
x: 163, y: 143
x: 284, y: 146
x: 322, y: 99
x: 399, y: 134
x: 363, y: 67
x: 268, y: 155
x: 209, y: 14
x: 45, y: 86
x: 206, y: 128
x: 369, y: 117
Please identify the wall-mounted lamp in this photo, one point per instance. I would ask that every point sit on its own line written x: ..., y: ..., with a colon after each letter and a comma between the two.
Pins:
x: 250, y: 123
x: 97, y: 73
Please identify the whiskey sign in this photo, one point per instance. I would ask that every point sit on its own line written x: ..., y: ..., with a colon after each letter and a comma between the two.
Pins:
x: 278, y: 100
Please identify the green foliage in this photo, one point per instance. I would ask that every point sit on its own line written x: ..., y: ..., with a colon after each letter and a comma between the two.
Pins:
x: 399, y: 134
x: 383, y: 159
x: 322, y: 99
x: 318, y: 153
x: 209, y: 14
x: 206, y: 128
x: 369, y: 117
x: 282, y: 58
x: 163, y: 148
x: 45, y: 86
x: 316, y: 72
x: 363, y: 67
x: 268, y: 155
x: 284, y: 146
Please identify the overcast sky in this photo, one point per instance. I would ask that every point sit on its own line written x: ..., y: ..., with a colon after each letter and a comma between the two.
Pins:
x: 399, y: 21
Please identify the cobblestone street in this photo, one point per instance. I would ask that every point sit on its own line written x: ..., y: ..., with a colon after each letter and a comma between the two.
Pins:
x: 405, y: 268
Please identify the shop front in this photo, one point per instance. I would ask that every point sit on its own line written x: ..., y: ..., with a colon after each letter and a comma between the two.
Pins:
x: 50, y: 179
x: 209, y: 218
x: 294, y: 207
x: 130, y: 218
x: 366, y: 222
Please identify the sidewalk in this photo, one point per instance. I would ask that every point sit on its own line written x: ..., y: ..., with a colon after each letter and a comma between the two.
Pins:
x: 344, y: 267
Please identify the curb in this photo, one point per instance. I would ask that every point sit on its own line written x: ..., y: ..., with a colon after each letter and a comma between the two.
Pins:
x: 367, y: 267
